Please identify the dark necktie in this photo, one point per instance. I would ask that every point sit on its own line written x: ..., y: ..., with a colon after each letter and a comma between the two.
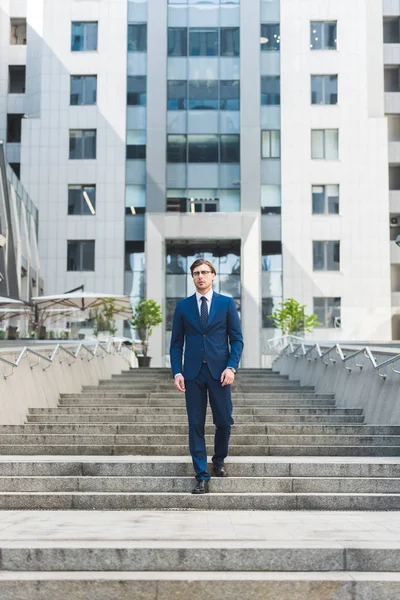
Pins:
x: 204, y: 313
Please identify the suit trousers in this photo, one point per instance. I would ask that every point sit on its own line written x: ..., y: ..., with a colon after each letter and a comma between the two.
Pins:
x: 196, y: 406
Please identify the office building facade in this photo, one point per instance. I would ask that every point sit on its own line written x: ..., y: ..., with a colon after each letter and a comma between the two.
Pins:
x: 252, y: 133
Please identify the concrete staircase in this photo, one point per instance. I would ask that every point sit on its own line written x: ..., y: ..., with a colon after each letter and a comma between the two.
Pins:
x: 123, y: 446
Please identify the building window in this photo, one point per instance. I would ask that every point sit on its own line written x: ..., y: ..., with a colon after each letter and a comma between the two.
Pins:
x: 14, y: 127
x: 177, y: 41
x: 203, y: 200
x: 203, y: 148
x: 269, y: 305
x: 271, y: 257
x: 270, y: 90
x: 177, y: 95
x: 325, y: 144
x: 326, y: 256
x: 137, y: 37
x: 81, y: 199
x: 176, y: 149
x: 203, y: 42
x: 328, y: 311
x: 230, y: 149
x: 230, y: 41
x: 82, y: 143
x: 324, y: 89
x: 84, y: 36
x: 271, y: 200
x: 135, y: 200
x: 136, y: 144
x: 325, y: 199
x: 229, y: 94
x: 83, y: 89
x: 391, y: 30
x: 18, y: 32
x: 80, y: 255
x: 203, y: 95
x: 16, y: 81
x: 271, y: 144
x: 137, y: 90
x: 323, y: 35
x: 270, y: 37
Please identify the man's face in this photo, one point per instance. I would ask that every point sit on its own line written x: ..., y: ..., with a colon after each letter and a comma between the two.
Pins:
x: 203, y: 278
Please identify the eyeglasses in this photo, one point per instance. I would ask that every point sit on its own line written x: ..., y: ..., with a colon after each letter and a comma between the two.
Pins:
x: 202, y: 273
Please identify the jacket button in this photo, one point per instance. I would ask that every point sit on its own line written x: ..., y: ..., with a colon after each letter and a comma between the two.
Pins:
x: 204, y: 335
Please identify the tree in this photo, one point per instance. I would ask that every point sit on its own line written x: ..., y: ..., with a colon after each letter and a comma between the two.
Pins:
x: 291, y: 318
x: 104, y: 316
x: 146, y: 316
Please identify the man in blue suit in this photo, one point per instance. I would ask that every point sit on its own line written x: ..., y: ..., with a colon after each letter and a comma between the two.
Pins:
x: 205, y: 322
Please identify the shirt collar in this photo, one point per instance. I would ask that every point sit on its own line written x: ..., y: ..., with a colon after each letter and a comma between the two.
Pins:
x: 208, y: 296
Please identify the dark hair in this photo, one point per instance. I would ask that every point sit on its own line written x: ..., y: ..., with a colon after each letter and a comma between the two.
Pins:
x: 199, y: 262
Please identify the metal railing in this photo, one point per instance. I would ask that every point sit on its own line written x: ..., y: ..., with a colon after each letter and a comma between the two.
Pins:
x: 300, y: 348
x: 98, y: 349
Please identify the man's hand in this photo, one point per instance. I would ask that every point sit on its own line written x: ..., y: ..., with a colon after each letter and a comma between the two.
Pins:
x: 180, y: 383
x: 227, y: 377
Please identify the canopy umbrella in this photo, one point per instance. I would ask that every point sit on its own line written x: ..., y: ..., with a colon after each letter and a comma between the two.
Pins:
x: 85, y: 301
x: 11, y: 307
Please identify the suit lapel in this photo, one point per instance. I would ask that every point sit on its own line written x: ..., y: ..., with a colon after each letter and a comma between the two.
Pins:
x: 196, y: 311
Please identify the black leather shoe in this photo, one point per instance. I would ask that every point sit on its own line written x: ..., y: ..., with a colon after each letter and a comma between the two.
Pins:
x: 219, y: 471
x: 202, y: 487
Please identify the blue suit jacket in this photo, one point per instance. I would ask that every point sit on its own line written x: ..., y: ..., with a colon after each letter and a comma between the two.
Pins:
x: 223, y: 325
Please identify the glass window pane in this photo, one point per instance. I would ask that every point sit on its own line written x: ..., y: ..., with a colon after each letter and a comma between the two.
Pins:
x: 135, y: 196
x: 330, y: 42
x: 230, y: 149
x: 317, y: 143
x: 331, y: 144
x: 175, y: 285
x: 230, y: 95
x: 270, y: 195
x: 177, y: 41
x: 87, y: 250
x: 229, y: 285
x: 203, y: 42
x: 203, y: 95
x: 137, y: 37
x: 170, y: 305
x: 89, y: 144
x: 77, y: 37
x: 332, y: 196
x: 266, y: 144
x: 331, y: 89
x: 229, y: 201
x: 176, y: 264
x: 318, y: 256
x: 316, y: 36
x: 177, y: 95
x: 270, y: 90
x: 333, y: 256
x: 76, y: 90
x: 75, y: 144
x: 269, y: 305
x: 270, y: 37
x: 90, y: 36
x: 84, y: 36
x: 318, y: 199
x: 176, y: 149
x: 230, y: 41
x: 137, y: 95
x: 317, y: 89
x: 320, y: 310
x: 203, y: 148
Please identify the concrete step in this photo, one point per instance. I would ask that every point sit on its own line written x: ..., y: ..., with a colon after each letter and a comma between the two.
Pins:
x: 179, y: 401
x: 220, y: 585
x: 185, y: 501
x: 173, y: 428
x: 255, y: 409
x: 319, y: 467
x: 77, y: 449
x: 85, y: 398
x: 203, y: 557
x: 298, y: 467
x: 181, y: 484
x: 285, y: 417
x: 177, y: 439
x: 170, y: 387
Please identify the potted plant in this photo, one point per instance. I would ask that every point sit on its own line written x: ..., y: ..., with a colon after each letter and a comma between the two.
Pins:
x: 146, y: 316
x: 291, y: 318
